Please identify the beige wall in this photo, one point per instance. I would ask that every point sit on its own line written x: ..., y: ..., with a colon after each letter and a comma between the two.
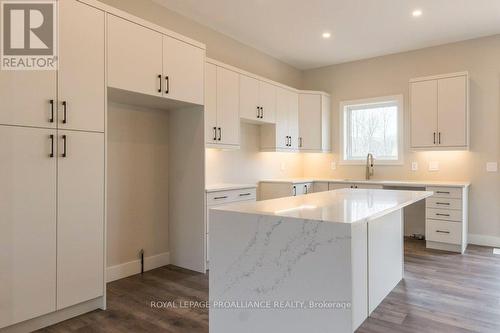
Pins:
x: 389, y: 75
x: 219, y: 46
x: 137, y: 201
x: 248, y: 164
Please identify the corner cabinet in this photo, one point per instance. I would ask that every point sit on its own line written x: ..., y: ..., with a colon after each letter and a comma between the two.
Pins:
x: 440, y: 112
x: 145, y: 61
x: 314, y: 122
x: 222, y: 118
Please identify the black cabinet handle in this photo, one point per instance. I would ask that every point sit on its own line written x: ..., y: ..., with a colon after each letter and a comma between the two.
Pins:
x: 219, y: 198
x: 439, y: 214
x: 305, y: 189
x: 294, y: 190
x: 51, y: 145
x: 167, y: 82
x: 442, y: 232
x: 443, y: 203
x: 215, y: 133
x: 258, y: 111
x: 261, y: 112
x: 220, y: 133
x: 244, y: 194
x: 300, y: 142
x: 51, y: 119
x: 64, y: 153
x: 434, y: 140
x: 442, y: 192
x: 65, y: 109
x: 439, y: 138
x: 159, y: 77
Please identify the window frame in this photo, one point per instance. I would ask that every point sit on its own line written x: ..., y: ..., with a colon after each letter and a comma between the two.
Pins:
x: 399, y: 99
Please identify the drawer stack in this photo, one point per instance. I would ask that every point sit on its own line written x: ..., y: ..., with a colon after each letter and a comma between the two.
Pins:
x: 446, y: 219
x: 223, y: 197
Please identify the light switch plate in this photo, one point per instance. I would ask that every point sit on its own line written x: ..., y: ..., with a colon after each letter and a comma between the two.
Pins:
x: 414, y: 166
x: 433, y: 166
x: 492, y: 167
x: 333, y: 165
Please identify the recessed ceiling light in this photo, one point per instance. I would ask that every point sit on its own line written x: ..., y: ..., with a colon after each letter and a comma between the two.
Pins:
x: 417, y: 13
x: 326, y: 35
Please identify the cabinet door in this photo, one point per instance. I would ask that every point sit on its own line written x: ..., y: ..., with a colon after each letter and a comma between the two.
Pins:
x: 228, y: 116
x: 452, y: 111
x: 309, y: 122
x: 26, y: 98
x: 27, y: 224
x: 183, y: 71
x: 293, y: 119
x: 249, y: 98
x: 282, y: 111
x: 267, y: 97
x: 80, y: 227
x: 81, y: 67
x: 210, y: 103
x: 423, y: 104
x: 134, y: 57
x: 338, y: 186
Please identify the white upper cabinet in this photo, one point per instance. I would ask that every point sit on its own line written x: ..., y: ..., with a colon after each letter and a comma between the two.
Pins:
x: 81, y: 67
x: 452, y: 112
x: 257, y: 100
x: 210, y: 103
x: 183, y: 66
x: 440, y: 112
x: 423, y: 103
x: 314, y: 122
x: 283, y: 135
x: 145, y: 61
x: 134, y: 57
x: 222, y: 119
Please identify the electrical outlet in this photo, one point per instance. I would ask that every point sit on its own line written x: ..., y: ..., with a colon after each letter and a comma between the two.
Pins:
x: 414, y: 166
x: 492, y: 167
x: 433, y: 166
x: 333, y: 165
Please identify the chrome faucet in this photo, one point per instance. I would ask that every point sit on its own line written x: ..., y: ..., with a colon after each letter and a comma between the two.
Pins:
x: 369, y: 166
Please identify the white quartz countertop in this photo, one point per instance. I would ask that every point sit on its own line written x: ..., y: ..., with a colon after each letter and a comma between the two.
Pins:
x: 406, y: 183
x: 339, y: 206
x: 227, y: 187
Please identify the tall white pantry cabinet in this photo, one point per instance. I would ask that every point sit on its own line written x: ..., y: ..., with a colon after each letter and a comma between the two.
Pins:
x: 52, y: 170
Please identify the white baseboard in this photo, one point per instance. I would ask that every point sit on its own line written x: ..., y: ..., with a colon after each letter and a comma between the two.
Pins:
x: 484, y: 240
x: 134, y: 267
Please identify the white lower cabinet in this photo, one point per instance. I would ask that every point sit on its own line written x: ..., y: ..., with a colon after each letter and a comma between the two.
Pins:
x: 217, y: 198
x: 80, y: 217
x: 446, y: 223
x: 52, y: 220
x: 279, y: 189
x: 337, y: 186
x: 27, y: 224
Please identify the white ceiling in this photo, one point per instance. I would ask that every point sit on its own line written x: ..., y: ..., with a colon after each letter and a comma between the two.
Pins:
x: 290, y: 30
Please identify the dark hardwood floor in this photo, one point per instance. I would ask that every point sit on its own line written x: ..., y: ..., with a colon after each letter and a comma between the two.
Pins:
x: 441, y: 292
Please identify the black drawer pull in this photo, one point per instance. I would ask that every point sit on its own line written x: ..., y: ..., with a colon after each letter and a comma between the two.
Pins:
x: 219, y: 198
x: 64, y: 154
x: 443, y: 203
x: 51, y: 119
x: 442, y: 232
x: 245, y: 194
x: 65, y: 112
x: 442, y: 192
x: 439, y: 214
x: 51, y: 145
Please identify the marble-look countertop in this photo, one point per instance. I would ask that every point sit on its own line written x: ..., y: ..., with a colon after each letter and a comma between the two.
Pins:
x: 405, y: 183
x: 227, y: 187
x: 339, y: 206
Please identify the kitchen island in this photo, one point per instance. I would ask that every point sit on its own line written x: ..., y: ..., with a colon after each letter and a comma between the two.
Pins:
x: 320, y: 262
